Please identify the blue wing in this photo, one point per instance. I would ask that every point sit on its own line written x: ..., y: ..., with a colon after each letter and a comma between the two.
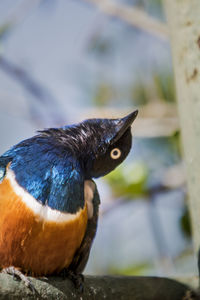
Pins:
x: 67, y: 187
x: 3, y: 164
x: 52, y: 176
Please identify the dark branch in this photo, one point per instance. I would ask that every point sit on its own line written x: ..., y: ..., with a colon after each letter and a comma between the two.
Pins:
x: 104, y: 287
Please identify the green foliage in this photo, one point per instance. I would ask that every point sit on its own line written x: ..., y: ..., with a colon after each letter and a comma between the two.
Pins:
x: 137, y: 269
x: 4, y: 30
x: 103, y: 95
x: 128, y: 180
x: 176, y: 141
x: 159, y: 87
x: 139, y: 92
x: 185, y: 223
x: 164, y: 85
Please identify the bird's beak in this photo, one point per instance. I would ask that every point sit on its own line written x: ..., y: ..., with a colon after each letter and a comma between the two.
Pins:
x: 123, y: 124
x: 128, y: 120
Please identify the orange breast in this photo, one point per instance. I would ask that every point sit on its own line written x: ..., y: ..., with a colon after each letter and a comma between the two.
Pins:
x: 31, y: 243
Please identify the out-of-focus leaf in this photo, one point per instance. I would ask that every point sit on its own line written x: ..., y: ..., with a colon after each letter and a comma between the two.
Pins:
x: 139, y: 92
x: 161, y: 87
x: 176, y: 140
x: 185, y: 223
x: 164, y: 84
x: 138, y: 269
x: 128, y: 180
x: 5, y: 29
x: 103, y: 95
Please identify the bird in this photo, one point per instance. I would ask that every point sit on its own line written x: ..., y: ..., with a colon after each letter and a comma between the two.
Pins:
x: 49, y: 201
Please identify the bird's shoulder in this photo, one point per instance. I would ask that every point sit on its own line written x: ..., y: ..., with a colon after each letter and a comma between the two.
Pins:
x: 49, y: 172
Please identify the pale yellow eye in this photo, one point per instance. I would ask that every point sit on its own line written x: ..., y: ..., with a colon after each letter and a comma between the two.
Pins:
x: 115, y: 153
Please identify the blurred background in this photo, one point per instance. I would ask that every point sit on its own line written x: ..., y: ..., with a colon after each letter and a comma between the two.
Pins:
x: 62, y: 61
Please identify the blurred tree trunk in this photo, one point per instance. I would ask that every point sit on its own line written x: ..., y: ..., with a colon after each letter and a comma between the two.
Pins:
x: 184, y: 24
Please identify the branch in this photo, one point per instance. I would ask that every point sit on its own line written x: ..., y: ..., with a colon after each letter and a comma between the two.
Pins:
x: 133, y: 16
x: 98, y: 287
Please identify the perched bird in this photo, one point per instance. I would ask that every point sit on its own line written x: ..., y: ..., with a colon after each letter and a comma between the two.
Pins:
x: 48, y: 200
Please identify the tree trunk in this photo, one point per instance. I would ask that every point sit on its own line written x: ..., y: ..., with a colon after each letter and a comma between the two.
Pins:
x: 184, y: 24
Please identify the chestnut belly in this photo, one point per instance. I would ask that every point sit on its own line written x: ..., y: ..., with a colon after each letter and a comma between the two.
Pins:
x: 33, y: 243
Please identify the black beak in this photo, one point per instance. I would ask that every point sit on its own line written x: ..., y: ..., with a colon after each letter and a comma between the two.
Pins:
x: 128, y: 120
x: 123, y: 124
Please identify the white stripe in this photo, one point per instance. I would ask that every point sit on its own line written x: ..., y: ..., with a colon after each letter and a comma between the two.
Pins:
x: 89, y: 188
x: 43, y: 211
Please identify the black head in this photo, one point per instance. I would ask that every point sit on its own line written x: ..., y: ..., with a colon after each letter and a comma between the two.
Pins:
x: 99, y: 145
x: 115, y: 142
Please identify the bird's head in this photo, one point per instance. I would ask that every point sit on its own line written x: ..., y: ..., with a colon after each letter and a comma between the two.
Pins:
x: 104, y: 143
x: 99, y: 145
x: 111, y: 142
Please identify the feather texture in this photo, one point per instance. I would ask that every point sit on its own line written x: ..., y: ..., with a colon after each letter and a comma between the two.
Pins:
x: 48, y: 201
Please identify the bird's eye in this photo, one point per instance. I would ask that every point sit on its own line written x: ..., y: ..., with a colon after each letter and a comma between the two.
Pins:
x: 115, y: 153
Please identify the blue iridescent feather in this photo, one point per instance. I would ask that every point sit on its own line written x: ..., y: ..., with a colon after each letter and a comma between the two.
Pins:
x: 51, y: 176
x: 53, y: 165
